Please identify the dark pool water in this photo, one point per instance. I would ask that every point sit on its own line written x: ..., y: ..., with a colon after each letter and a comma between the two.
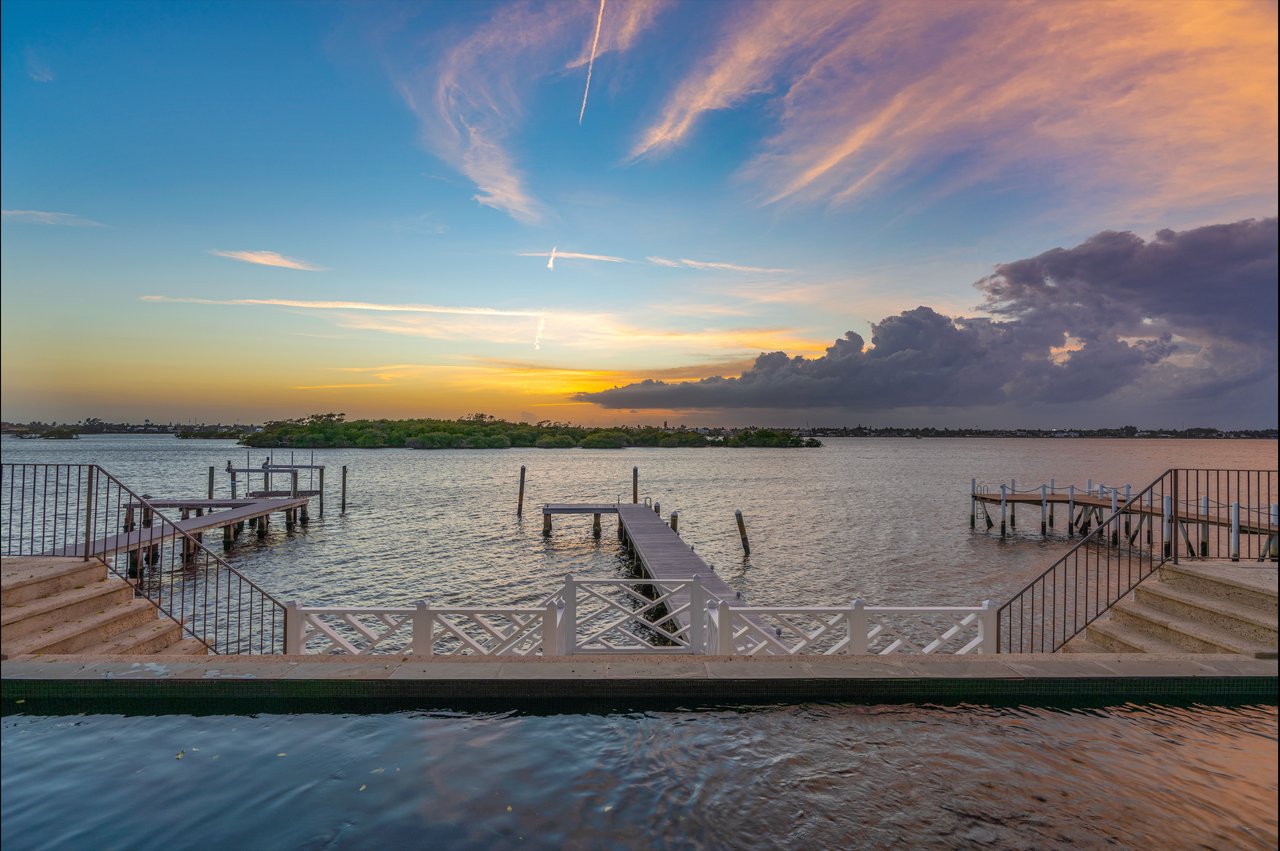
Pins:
x: 813, y: 776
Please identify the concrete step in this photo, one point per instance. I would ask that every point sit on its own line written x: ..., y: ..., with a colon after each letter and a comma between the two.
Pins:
x: 1186, y: 636
x: 73, y: 635
x: 1117, y: 637
x: 1082, y: 644
x: 157, y: 635
x: 1249, y: 586
x: 1247, y: 622
x: 27, y: 618
x: 31, y: 577
x: 186, y: 647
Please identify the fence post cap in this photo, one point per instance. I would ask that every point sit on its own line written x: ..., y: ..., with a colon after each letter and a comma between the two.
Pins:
x: 858, y: 603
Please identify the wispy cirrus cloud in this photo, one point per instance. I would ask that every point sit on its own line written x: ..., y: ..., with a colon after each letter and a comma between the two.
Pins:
x: 472, y: 98
x: 38, y: 69
x: 268, y: 258
x: 342, y: 305
x: 43, y: 217
x: 686, y: 263
x: 1150, y: 106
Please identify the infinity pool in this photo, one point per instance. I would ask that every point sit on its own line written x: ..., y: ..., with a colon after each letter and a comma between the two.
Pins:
x: 812, y: 776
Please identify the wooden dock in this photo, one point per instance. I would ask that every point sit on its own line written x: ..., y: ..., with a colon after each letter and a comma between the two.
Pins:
x: 1098, y: 506
x: 143, y: 530
x: 660, y: 553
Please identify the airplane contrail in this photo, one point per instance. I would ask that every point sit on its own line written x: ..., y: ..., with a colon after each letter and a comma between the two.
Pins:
x: 595, y: 42
x: 551, y: 261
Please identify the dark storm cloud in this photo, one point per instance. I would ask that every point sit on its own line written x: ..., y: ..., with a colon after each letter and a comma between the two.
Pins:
x: 1186, y: 315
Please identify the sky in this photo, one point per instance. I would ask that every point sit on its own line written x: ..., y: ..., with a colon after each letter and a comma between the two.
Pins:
x: 931, y: 212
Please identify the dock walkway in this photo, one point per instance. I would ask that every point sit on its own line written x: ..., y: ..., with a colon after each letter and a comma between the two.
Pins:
x: 662, y: 555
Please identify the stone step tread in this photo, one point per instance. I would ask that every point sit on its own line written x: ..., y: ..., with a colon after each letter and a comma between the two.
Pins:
x: 186, y: 647
x: 129, y: 641
x: 21, y: 572
x: 1268, y: 619
x: 1201, y: 631
x: 1130, y: 636
x: 1082, y: 644
x: 14, y: 612
x: 1260, y: 580
x: 71, y: 628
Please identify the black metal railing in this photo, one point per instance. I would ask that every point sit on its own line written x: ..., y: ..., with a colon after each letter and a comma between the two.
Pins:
x: 1184, y: 514
x: 82, y: 511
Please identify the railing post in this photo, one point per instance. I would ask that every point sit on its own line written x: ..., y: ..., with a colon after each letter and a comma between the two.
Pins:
x: 1235, y: 531
x: 697, y: 615
x: 562, y: 633
x: 1173, y: 514
x: 724, y: 629
x: 987, y: 633
x: 423, y: 629
x: 88, y: 512
x: 294, y: 628
x: 857, y: 628
x: 570, y: 625
x: 1275, y: 525
x: 550, y: 637
x: 1168, y: 517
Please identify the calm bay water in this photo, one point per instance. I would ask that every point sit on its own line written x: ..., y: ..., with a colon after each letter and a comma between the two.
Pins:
x: 886, y: 520
x: 882, y: 519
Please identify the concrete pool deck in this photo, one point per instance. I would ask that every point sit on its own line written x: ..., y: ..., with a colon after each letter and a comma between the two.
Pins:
x: 250, y: 684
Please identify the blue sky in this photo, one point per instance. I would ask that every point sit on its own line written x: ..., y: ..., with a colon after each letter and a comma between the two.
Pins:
x: 259, y: 210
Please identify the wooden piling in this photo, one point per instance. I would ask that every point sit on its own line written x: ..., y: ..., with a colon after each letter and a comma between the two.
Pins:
x: 973, y: 504
x: 344, y: 489
x: 742, y: 532
x: 1052, y: 490
x: 657, y: 508
x: 227, y: 537
x: 1013, y: 506
x: 1004, y: 513
x: 293, y: 483
x: 322, y: 491
x: 1071, y: 511
x: 635, y: 484
x: 546, y: 525
x: 595, y: 525
x: 1204, y: 527
x: 262, y: 526
x: 675, y: 522
x: 211, y: 483
x: 520, y: 499
x: 1044, y: 511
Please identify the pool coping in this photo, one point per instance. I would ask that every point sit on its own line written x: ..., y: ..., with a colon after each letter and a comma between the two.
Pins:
x: 69, y: 684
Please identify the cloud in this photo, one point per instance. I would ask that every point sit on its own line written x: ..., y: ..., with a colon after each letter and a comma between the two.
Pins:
x: 268, y: 258
x: 591, y: 62
x: 472, y: 97
x: 706, y: 264
x: 1185, y: 315
x: 38, y: 69
x: 41, y: 217
x: 1157, y: 106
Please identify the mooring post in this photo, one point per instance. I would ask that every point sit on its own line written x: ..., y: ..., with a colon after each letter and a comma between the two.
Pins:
x: 1071, y: 511
x: 262, y: 525
x: 1013, y: 506
x: 1052, y: 491
x: 675, y: 522
x: 742, y: 532
x: 226, y: 538
x: 657, y: 508
x: 520, y: 499
x: 635, y: 484
x: 210, y: 482
x: 1204, y: 526
x: 973, y: 503
x: 1004, y: 511
x: 322, y: 491
x: 293, y: 483
x: 343, y: 509
x: 1115, y: 521
x: 546, y: 525
x: 595, y: 525
x: 1044, y: 511
x: 1235, y: 531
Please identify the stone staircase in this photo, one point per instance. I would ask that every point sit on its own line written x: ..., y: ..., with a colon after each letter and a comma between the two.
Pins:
x: 1193, y: 607
x: 68, y: 605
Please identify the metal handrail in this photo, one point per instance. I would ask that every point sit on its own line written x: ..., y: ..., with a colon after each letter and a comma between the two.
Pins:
x: 81, y: 510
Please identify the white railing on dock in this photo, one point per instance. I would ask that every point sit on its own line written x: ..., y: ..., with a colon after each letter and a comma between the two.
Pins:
x: 635, y: 616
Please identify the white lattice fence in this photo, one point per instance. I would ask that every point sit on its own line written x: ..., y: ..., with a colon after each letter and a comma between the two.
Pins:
x: 631, y: 616
x: 421, y: 630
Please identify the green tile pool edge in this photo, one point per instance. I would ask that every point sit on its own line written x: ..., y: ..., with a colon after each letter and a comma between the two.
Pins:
x: 249, y: 696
